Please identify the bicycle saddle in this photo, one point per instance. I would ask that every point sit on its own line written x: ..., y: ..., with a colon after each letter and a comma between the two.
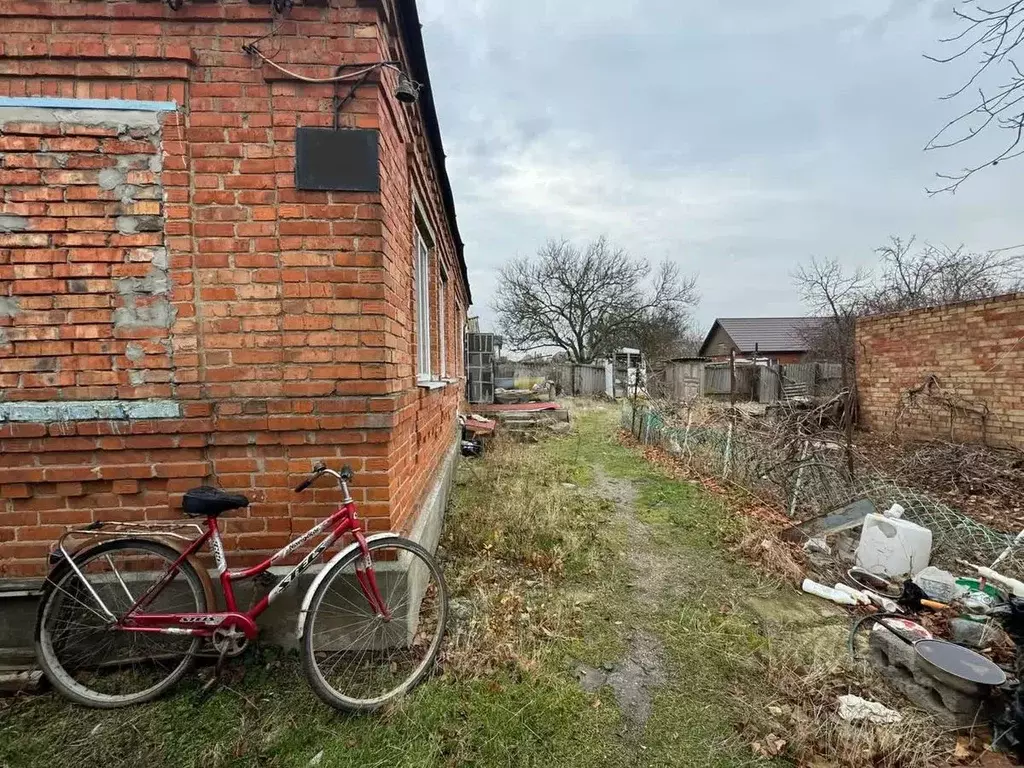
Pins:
x: 206, y: 501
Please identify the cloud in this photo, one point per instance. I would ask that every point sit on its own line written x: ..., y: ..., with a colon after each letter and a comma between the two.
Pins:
x: 735, y: 139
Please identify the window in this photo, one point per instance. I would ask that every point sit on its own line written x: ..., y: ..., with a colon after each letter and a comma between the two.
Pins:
x: 421, y: 278
x: 460, y: 360
x: 442, y: 322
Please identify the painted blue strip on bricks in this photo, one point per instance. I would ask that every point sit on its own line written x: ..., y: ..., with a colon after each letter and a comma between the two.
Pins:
x: 125, y: 104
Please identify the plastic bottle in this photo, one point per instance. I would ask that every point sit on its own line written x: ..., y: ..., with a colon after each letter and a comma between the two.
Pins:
x: 820, y: 590
x: 856, y: 594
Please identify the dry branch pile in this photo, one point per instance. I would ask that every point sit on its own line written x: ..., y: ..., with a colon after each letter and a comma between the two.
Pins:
x: 985, y: 483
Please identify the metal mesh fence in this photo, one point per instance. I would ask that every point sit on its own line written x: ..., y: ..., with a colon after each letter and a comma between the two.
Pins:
x: 809, y: 480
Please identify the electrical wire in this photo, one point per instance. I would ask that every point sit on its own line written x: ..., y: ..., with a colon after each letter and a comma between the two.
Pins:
x: 251, y: 48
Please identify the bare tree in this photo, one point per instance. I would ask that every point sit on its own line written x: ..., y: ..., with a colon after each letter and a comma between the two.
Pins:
x: 662, y: 335
x: 908, y: 278
x: 587, y: 301
x: 828, y: 288
x: 937, y: 274
x: 991, y: 33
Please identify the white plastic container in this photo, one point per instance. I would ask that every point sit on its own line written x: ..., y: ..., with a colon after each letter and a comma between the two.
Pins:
x: 893, y: 547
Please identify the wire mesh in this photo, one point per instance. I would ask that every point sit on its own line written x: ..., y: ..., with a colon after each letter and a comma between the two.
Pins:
x: 808, y: 477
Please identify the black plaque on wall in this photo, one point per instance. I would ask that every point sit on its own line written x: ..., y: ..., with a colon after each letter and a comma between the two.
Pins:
x: 344, y: 160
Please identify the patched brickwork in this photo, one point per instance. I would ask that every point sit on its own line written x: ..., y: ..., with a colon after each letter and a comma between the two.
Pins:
x: 953, y: 372
x: 166, y: 258
x: 88, y: 311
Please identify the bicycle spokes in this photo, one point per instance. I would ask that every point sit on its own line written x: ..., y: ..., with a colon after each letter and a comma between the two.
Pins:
x: 374, y: 631
x: 91, y: 654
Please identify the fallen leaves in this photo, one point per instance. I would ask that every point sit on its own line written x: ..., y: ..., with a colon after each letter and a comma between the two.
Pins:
x: 771, y: 745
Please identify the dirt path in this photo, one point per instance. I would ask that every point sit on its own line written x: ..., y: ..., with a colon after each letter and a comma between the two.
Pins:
x: 635, y: 677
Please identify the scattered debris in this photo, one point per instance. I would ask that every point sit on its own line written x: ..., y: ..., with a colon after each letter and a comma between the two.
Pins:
x: 827, y: 593
x: 771, y: 745
x: 818, y: 545
x: 1015, y: 586
x: 891, y: 546
x: 939, y: 584
x: 854, y: 708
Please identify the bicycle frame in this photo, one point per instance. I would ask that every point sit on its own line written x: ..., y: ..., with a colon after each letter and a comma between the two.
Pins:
x: 343, y: 521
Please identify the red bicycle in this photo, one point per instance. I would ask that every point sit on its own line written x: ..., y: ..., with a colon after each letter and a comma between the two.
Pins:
x: 122, y: 620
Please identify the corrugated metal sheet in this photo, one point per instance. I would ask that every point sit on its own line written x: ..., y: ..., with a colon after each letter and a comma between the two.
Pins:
x: 767, y: 334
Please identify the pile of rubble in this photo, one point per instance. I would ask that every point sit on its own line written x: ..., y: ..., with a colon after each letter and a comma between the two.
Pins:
x: 946, y: 637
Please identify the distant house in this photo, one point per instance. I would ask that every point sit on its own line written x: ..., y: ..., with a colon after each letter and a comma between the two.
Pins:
x: 781, y: 339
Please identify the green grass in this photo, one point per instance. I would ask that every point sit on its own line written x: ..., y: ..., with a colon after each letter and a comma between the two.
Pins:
x: 540, y: 564
x: 272, y: 720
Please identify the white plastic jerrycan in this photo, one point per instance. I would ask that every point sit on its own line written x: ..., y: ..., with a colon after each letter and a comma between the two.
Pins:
x: 893, y: 547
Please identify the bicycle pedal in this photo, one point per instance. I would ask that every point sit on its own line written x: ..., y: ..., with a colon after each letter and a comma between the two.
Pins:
x: 207, y: 689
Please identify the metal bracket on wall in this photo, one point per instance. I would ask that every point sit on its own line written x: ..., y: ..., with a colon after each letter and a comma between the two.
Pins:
x: 339, y: 101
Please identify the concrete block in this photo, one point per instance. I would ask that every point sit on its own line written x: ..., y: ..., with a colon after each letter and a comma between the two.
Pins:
x: 950, y: 700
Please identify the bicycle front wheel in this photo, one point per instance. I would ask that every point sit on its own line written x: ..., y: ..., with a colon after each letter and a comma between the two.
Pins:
x: 358, y: 658
x: 91, y: 660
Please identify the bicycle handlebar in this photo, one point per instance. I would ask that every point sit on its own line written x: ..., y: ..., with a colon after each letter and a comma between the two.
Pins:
x: 318, y: 469
x: 321, y: 469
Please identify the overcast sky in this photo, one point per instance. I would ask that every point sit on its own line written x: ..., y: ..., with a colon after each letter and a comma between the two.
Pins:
x: 737, y: 139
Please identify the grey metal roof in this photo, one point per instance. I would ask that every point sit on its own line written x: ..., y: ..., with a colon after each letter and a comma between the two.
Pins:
x: 768, y: 334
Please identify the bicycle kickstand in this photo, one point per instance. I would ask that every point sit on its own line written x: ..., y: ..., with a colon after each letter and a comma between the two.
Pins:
x: 218, y: 670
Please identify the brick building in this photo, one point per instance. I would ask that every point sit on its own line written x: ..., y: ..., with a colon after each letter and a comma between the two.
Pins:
x: 951, y: 372
x: 179, y: 306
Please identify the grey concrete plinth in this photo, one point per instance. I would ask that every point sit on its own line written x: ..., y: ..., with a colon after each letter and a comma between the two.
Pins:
x: 950, y: 700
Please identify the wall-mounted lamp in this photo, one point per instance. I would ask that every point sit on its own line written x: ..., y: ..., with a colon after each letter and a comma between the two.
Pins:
x: 407, y: 90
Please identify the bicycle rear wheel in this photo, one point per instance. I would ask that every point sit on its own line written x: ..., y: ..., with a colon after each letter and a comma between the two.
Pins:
x: 92, y: 661
x: 358, y: 660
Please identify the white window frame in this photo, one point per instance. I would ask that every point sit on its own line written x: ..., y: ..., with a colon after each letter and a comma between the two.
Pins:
x: 460, y: 361
x: 442, y: 321
x: 421, y: 279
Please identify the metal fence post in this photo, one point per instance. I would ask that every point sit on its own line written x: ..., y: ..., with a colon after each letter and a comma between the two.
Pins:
x: 799, y: 479
x: 728, y: 452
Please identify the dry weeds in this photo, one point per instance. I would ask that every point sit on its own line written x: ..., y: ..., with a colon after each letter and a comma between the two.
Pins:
x: 520, y: 527
x: 797, y: 717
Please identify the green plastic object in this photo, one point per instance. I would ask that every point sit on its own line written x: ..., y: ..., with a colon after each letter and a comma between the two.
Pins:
x: 988, y: 595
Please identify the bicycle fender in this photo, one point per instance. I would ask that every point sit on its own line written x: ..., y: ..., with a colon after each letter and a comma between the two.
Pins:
x: 308, y: 597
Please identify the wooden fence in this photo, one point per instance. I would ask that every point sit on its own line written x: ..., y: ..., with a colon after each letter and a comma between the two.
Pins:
x: 569, y: 378
x: 689, y: 379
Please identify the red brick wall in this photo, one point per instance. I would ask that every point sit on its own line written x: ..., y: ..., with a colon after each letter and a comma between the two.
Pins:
x: 285, y: 331
x: 966, y: 360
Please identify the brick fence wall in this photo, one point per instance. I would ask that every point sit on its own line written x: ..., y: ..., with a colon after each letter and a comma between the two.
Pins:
x: 953, y: 372
x: 172, y: 310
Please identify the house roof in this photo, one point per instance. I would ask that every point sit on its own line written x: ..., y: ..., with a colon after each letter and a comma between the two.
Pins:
x: 409, y: 23
x: 766, y: 334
